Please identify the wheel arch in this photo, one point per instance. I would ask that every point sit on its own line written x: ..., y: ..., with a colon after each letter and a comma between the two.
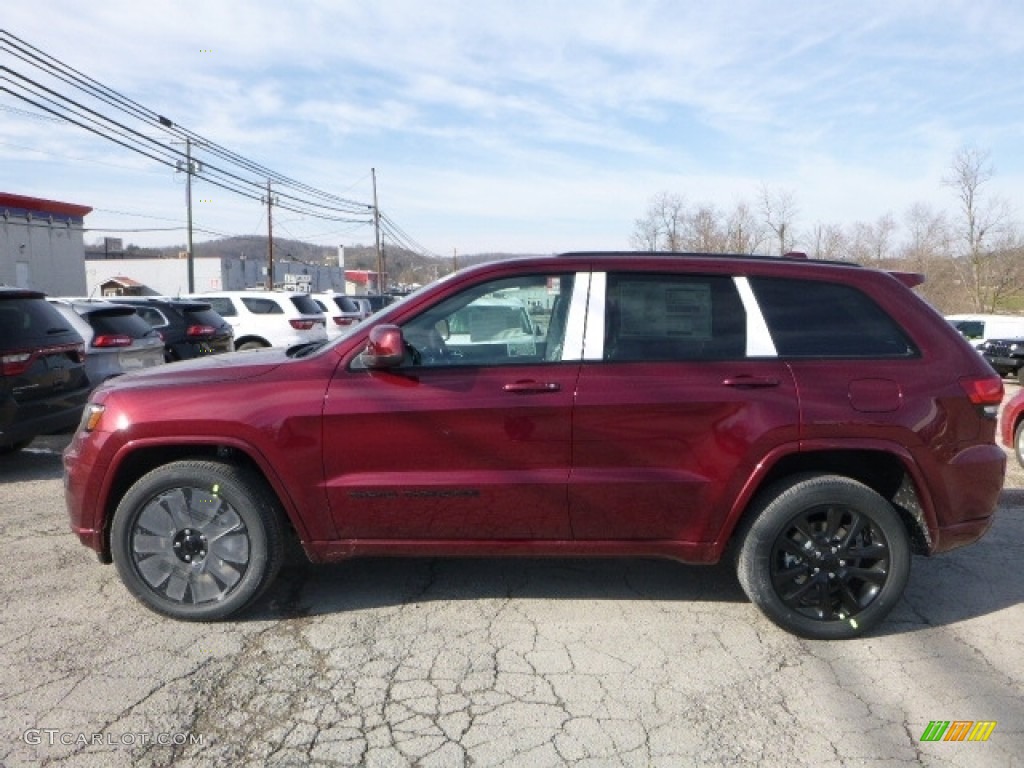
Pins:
x: 134, y: 461
x: 887, y: 472
x: 250, y: 338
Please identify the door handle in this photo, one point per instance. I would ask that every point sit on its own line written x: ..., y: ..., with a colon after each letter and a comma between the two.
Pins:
x: 526, y: 387
x: 751, y: 382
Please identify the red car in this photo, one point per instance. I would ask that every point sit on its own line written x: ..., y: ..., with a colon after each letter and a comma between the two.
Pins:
x: 815, y: 421
x: 1012, y: 425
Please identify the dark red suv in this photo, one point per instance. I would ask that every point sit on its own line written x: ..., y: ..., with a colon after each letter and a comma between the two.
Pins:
x: 815, y: 421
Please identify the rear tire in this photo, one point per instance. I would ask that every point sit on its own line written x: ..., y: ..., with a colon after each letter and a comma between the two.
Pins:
x: 824, y: 557
x: 1018, y: 442
x: 197, y: 540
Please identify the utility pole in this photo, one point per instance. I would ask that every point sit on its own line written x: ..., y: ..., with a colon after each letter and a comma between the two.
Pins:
x: 269, y: 200
x: 376, y: 229
x: 455, y: 259
x: 189, y: 168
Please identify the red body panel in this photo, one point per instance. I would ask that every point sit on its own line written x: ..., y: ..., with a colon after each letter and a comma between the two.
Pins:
x: 551, y: 458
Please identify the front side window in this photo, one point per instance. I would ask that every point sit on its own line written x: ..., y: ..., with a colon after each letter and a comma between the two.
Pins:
x: 503, y: 322
x: 673, y: 317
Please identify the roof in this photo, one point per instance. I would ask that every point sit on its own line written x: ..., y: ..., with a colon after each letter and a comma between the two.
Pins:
x: 125, y: 282
x: 21, y: 203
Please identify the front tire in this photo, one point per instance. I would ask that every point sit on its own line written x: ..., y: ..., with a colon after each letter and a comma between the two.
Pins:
x: 197, y: 540
x: 824, y: 557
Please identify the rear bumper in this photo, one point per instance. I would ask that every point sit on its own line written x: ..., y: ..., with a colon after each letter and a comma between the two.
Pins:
x: 973, y: 481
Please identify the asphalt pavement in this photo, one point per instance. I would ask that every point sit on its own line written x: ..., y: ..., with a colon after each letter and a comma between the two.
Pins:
x: 478, y: 662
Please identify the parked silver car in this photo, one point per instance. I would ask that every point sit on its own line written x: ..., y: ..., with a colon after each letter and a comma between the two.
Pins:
x: 117, y: 340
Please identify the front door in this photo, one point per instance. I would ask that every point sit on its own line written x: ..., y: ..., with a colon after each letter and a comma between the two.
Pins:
x: 471, y: 437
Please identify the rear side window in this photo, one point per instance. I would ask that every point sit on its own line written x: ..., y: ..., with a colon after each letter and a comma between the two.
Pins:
x: 262, y: 306
x: 807, y: 318
x: 673, y: 317
x: 305, y: 304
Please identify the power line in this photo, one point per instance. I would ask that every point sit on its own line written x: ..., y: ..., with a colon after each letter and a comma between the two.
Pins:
x: 247, y: 180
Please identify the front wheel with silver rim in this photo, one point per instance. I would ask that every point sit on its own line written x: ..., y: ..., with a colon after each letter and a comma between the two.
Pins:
x: 824, y: 557
x: 197, y: 540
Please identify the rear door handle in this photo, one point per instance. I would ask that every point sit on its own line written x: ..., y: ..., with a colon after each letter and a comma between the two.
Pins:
x: 526, y: 387
x: 751, y: 382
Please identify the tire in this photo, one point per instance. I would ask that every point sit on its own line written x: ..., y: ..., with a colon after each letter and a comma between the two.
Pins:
x: 6, y: 450
x: 197, y: 540
x: 824, y: 557
x: 1018, y: 442
x: 251, y: 345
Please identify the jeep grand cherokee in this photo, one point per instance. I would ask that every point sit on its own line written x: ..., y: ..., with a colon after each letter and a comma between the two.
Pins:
x: 816, y: 422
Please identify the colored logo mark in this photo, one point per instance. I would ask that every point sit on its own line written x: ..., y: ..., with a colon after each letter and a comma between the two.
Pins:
x: 958, y: 730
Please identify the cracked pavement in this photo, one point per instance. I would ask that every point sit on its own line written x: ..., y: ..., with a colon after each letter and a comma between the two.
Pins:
x: 477, y: 662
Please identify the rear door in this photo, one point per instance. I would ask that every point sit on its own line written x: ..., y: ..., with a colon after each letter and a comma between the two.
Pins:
x: 679, y: 396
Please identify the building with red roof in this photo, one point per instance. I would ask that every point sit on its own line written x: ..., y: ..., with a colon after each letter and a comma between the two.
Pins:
x: 41, y: 244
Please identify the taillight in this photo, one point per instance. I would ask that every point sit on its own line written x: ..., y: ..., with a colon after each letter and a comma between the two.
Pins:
x: 15, y: 363
x: 111, y: 340
x: 341, y: 320
x: 302, y: 325
x: 200, y: 331
x: 985, y: 392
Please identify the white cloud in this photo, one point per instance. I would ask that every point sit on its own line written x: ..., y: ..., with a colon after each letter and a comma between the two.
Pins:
x: 534, y: 122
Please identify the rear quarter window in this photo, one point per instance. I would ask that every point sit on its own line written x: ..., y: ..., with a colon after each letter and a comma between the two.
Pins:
x: 808, y: 318
x: 222, y: 305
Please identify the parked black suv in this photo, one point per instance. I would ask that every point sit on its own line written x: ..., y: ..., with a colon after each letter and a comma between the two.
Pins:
x: 189, y: 328
x: 43, y: 382
x: 1006, y: 356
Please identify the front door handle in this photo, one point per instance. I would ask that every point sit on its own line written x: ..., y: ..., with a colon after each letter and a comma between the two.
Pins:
x: 526, y: 387
x: 751, y: 382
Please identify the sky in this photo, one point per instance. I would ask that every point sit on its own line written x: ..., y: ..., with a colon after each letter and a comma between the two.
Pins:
x: 527, y: 126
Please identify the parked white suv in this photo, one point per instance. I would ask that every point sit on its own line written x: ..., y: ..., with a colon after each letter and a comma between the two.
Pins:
x: 342, y: 311
x: 269, y: 318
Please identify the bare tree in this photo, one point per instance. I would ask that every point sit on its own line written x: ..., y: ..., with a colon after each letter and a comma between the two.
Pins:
x: 744, y: 234
x: 704, y: 231
x: 779, y: 210
x: 829, y: 242
x: 983, y: 222
x: 661, y: 229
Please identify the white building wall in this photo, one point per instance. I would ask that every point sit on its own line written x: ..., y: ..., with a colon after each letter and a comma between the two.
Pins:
x: 168, y: 277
